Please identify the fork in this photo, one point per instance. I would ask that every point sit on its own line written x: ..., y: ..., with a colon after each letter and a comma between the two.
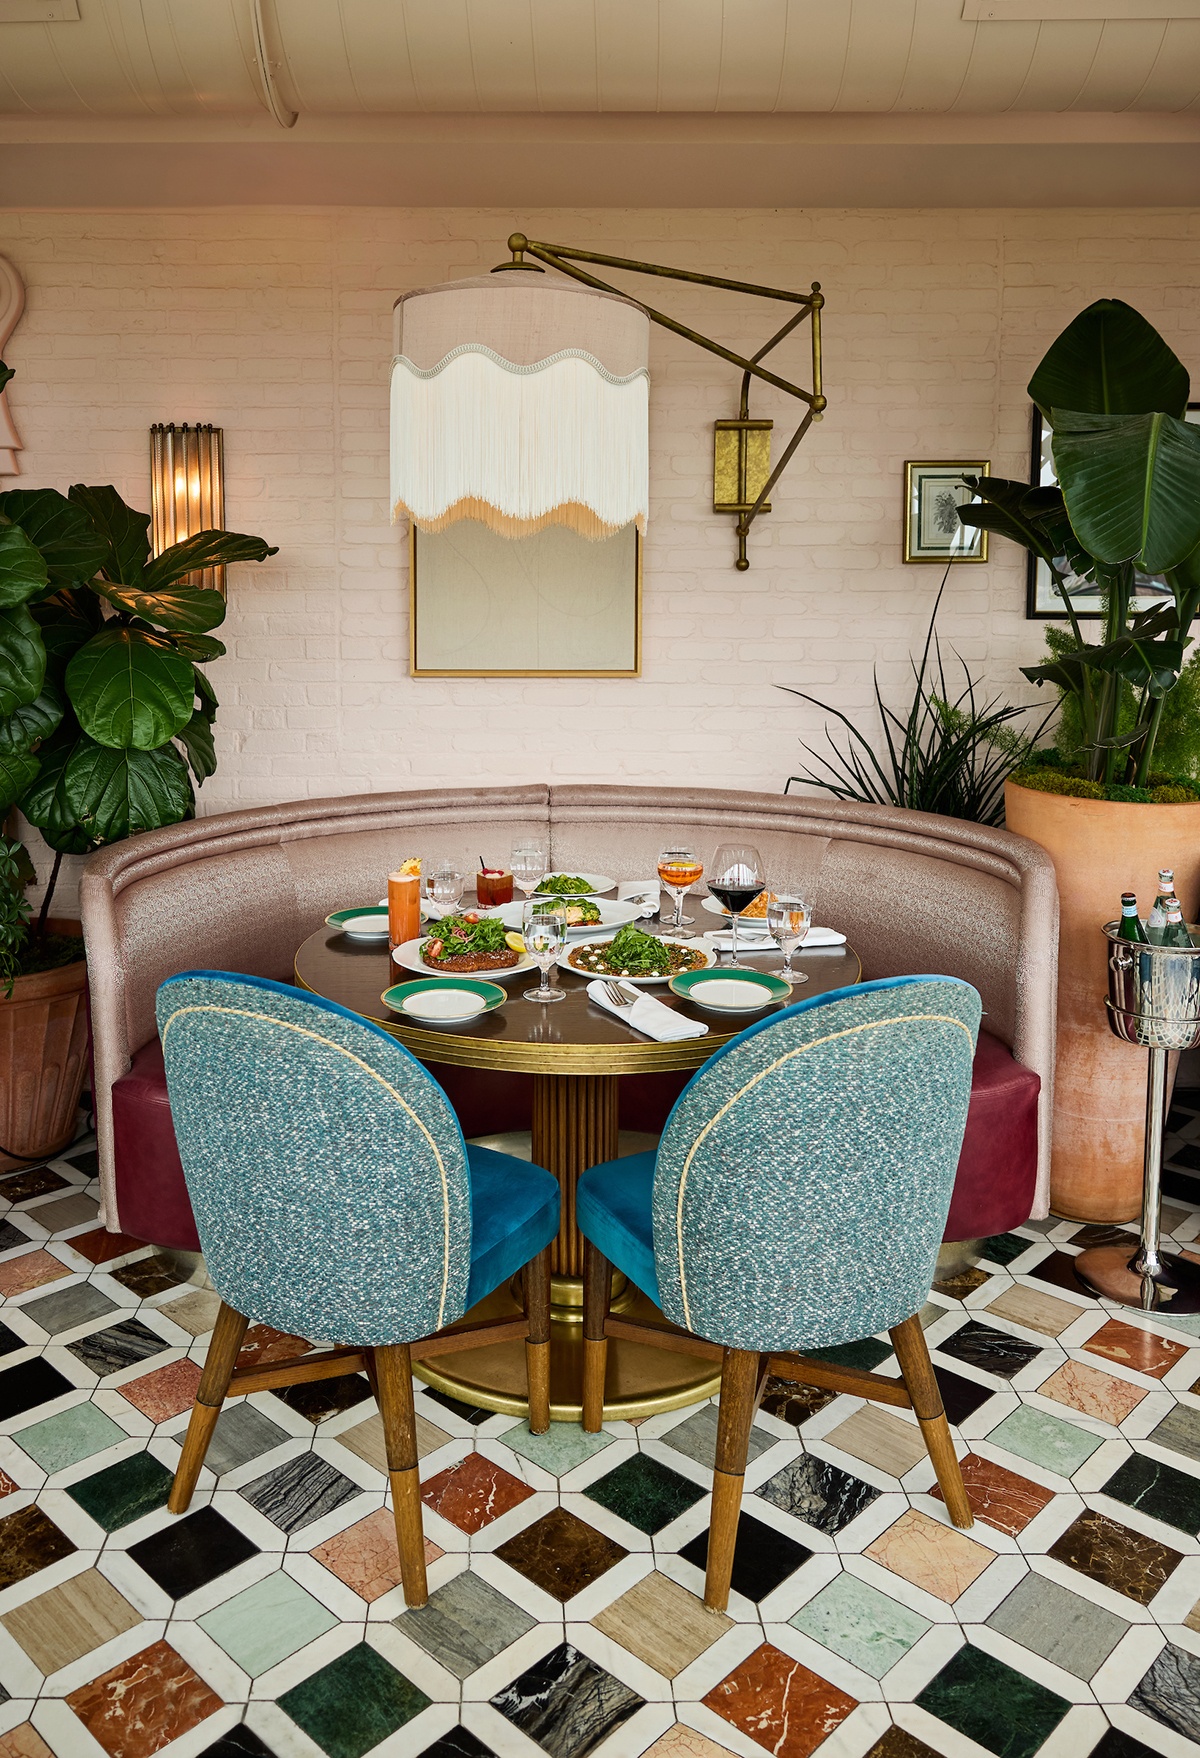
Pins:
x: 619, y: 997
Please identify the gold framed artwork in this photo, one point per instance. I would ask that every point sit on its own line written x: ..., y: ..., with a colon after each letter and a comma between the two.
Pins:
x: 933, y: 493
x: 553, y: 605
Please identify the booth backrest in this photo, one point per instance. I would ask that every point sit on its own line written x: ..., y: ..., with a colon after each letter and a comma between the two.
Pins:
x: 241, y: 890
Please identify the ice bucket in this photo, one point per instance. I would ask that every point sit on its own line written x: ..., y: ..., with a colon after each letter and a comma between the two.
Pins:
x: 1154, y: 992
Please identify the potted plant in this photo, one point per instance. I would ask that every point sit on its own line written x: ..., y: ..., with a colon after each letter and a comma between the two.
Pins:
x: 1127, y: 506
x: 104, y: 709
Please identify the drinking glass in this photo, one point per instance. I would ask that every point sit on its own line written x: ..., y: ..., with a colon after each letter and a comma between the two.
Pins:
x: 678, y: 868
x: 789, y: 918
x: 735, y: 878
x: 446, y: 885
x: 543, y: 940
x: 530, y: 861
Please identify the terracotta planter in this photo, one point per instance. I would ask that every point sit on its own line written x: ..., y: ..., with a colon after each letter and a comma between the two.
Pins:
x: 1100, y: 848
x: 43, y: 1059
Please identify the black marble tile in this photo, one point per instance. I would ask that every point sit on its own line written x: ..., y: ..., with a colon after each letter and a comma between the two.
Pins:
x: 566, y: 1703
x: 1092, y: 1235
x: 1170, y: 1692
x: 794, y: 1403
x: 1178, y: 1117
x: 22, y: 1187
x: 29, y: 1541
x: 818, y: 1493
x: 645, y: 1492
x: 1002, y: 1248
x: 1159, y: 1490
x: 12, y: 1237
x: 866, y: 1353
x: 961, y: 1397
x: 149, y: 1275
x: 319, y: 1399
x: 1181, y: 1186
x: 1187, y: 1154
x: 1058, y: 1270
x: 468, y: 1412
x: 192, y: 1551
x: 460, y: 1742
x: 123, y: 1492
x: 9, y: 1341
x: 239, y: 1742
x: 762, y: 1557
x: 299, y: 1491
x: 87, y: 1162
x: 106, y: 1352
x: 994, y: 1351
x: 29, y: 1384
x: 1116, y: 1743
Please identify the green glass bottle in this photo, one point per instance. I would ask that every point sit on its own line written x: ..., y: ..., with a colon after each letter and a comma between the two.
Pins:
x: 1165, y: 925
x: 1174, y: 931
x: 1130, y: 927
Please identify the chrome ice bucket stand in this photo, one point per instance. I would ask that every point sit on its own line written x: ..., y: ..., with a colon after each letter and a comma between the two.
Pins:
x: 1154, y: 1002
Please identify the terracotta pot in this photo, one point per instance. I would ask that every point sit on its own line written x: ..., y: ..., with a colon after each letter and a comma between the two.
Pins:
x: 1100, y: 848
x: 43, y: 1059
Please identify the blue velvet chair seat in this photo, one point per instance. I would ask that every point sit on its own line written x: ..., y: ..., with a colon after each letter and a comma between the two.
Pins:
x: 514, y: 1214
x: 614, y: 1205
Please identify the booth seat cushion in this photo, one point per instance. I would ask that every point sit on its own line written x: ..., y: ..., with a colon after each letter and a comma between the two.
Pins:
x: 151, y: 1193
x: 996, y: 1180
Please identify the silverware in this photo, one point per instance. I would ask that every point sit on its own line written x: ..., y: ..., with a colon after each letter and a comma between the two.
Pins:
x: 617, y: 998
x: 627, y: 989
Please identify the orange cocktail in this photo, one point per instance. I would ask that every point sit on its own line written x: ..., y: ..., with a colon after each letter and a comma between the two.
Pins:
x: 404, y: 903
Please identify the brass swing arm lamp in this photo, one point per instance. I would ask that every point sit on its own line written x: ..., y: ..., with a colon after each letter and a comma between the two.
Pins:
x: 742, y: 474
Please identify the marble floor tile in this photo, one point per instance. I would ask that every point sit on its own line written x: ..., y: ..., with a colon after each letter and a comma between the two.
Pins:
x: 460, y: 1742
x: 1170, y: 1691
x: 473, y: 1493
x: 365, y: 1440
x: 866, y: 1627
x: 86, y: 1161
x: 354, y: 1703
x: 366, y: 1556
x: 566, y: 1703
x: 136, y: 1708
x: 149, y: 1275
x: 1158, y: 1490
x: 1035, y: 1310
x: 29, y: 1384
x: 318, y: 1400
x: 1063, y: 1627
x: 195, y: 1312
x: 958, y: 1287
x: 682, y: 1741
x: 265, y: 1623
x: 1116, y: 1743
x: 69, y: 1307
x: 662, y: 1624
x: 1002, y: 1248
x: 645, y: 1493
x: 68, y: 1621
x: 123, y: 1492
x: 12, y: 1237
x: 994, y: 1351
x: 29, y: 1542
x: 794, y: 1403
x: 780, y: 1703
x: 1135, y: 1348
x: 9, y: 1341
x: 164, y: 1393
x: 1092, y: 1392
x: 7, y: 1485
x: 74, y: 1434
x: 998, y: 1496
x: 818, y: 1493
x: 1180, y: 1431
x: 242, y: 1433
x: 32, y: 1270
x: 559, y: 1451
x: 240, y: 1742
x: 866, y: 1353
x: 961, y: 1397
x: 24, y: 1742
x: 38, y: 1181
x: 897, y: 1742
x: 472, y: 1413
x: 1115, y: 1555
x: 1045, y: 1440
x: 69, y: 1211
x: 878, y: 1438
x: 263, y: 1346
x: 938, y: 1558
x: 193, y: 1550
x: 101, y: 1247
x: 1087, y: 1237
x: 561, y: 1554
x: 763, y: 1557
x: 465, y: 1624
x: 696, y: 1438
x: 993, y: 1704
x: 299, y: 1491
x: 105, y: 1352
x: 1058, y: 1271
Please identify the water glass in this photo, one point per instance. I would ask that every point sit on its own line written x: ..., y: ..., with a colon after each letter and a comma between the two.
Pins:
x: 446, y: 886
x: 530, y: 862
x: 788, y: 919
x: 544, y: 935
x: 679, y: 868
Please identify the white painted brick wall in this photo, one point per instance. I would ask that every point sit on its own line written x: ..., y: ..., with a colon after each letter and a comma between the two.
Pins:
x: 276, y: 324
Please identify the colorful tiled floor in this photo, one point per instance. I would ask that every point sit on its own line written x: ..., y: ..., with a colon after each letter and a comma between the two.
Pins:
x: 563, y: 1618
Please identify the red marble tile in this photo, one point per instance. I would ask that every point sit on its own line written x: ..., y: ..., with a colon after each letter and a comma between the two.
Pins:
x: 1092, y: 1392
x: 139, y: 1707
x: 474, y: 1492
x: 1129, y: 1346
x: 264, y: 1345
x: 100, y: 1246
x: 1000, y: 1497
x: 779, y: 1703
x: 365, y: 1555
x: 165, y: 1392
x: 32, y: 1270
x: 7, y: 1485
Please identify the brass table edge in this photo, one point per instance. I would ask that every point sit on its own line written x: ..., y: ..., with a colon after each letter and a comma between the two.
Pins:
x: 623, y: 1410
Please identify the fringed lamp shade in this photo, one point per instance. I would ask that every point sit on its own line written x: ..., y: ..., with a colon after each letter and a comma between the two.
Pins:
x: 520, y: 402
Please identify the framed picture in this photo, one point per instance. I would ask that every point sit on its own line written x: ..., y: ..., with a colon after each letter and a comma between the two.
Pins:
x: 553, y: 605
x: 933, y: 532
x: 1043, y: 599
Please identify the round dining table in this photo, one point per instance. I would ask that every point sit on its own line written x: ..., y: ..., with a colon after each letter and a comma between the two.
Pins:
x: 577, y: 1053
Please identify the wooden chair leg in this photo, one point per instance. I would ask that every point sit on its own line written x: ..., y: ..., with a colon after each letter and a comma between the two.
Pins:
x: 537, y: 1344
x: 393, y: 1374
x: 739, y: 1395
x: 597, y: 1287
x: 908, y: 1340
x: 211, y: 1393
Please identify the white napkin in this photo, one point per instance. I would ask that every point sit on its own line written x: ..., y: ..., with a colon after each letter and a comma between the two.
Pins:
x: 634, y: 890
x: 649, y: 1016
x: 722, y: 939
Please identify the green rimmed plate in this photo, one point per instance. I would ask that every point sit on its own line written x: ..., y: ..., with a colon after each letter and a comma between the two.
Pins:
x: 368, y: 922
x: 729, y: 991
x: 475, y: 998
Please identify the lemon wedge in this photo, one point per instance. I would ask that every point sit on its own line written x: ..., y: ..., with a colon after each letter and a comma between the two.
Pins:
x: 514, y: 942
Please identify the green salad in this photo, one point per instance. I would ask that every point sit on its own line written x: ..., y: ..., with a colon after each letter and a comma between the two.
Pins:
x: 467, y: 936
x: 563, y: 884
x: 632, y: 953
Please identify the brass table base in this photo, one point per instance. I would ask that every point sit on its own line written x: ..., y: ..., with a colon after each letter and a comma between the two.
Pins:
x: 1109, y: 1270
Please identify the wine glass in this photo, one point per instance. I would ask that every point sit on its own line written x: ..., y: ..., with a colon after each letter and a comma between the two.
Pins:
x: 735, y: 879
x: 789, y: 918
x: 678, y: 868
x: 446, y: 886
x: 529, y: 863
x: 543, y: 939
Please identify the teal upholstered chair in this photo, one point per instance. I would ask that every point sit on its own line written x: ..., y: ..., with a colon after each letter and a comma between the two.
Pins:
x: 335, y: 1198
x: 796, y: 1201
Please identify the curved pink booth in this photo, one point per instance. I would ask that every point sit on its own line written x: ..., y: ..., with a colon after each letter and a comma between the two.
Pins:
x: 241, y: 890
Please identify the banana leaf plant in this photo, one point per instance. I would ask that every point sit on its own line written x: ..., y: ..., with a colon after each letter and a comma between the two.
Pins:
x: 1127, y: 500
x: 103, y: 706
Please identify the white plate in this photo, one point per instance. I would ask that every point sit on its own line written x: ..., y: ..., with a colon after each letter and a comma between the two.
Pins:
x: 409, y: 957
x: 444, y: 1004
x: 710, y: 958
x: 612, y: 917
x: 593, y: 883
x: 731, y: 995
x: 366, y: 927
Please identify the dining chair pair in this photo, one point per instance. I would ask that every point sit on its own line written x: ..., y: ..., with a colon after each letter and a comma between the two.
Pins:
x: 796, y: 1201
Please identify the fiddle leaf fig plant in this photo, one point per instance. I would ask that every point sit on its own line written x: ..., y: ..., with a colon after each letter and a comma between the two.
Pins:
x: 103, y: 708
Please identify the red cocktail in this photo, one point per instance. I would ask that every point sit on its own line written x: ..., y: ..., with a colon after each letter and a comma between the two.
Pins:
x: 493, y: 885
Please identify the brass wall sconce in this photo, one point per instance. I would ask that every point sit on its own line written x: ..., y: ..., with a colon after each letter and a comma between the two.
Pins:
x: 742, y: 473
x: 187, y: 490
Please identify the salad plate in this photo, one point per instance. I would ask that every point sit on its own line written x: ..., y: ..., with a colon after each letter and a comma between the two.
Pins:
x: 731, y: 991
x: 576, y: 884
x: 608, y: 917
x: 444, y: 1001
x: 635, y: 957
x: 368, y: 922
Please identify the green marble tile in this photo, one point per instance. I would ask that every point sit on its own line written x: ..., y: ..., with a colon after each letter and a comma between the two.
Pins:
x: 1045, y: 1440
x: 1002, y: 1248
x: 354, y: 1703
x: 868, y: 1628
x: 991, y: 1703
x: 70, y: 1436
x: 123, y: 1492
x: 266, y: 1623
x: 558, y: 1452
x: 1158, y: 1490
x: 867, y: 1353
x: 645, y: 1492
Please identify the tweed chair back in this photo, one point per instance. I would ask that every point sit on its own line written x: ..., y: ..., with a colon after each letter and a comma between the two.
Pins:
x: 804, y: 1175
x: 327, y: 1171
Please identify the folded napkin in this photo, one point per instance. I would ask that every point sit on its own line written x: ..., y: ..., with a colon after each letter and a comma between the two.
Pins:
x: 643, y: 891
x: 649, y: 1016
x: 722, y: 939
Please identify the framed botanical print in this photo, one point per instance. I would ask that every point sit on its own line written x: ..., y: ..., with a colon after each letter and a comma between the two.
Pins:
x: 933, y: 531
x: 1043, y: 599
